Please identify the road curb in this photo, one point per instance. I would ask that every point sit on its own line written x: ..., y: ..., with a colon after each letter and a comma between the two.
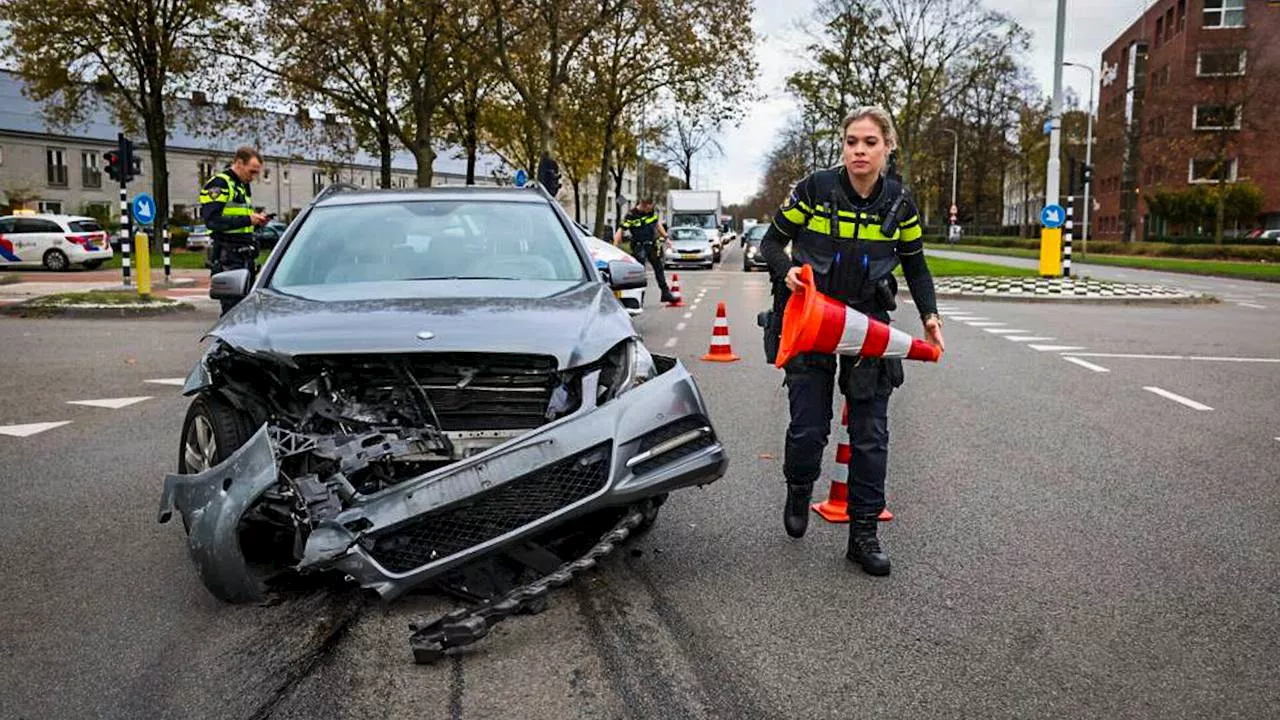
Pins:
x: 1074, y: 300
x: 32, y: 309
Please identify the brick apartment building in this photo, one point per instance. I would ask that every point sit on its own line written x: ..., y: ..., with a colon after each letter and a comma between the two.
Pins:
x: 1188, y: 91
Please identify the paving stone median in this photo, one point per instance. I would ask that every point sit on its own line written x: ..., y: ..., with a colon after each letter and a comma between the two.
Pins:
x: 1060, y: 289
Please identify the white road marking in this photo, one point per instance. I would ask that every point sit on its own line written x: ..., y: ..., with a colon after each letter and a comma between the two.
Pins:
x: 1252, y: 305
x: 1177, y: 398
x: 967, y: 318
x: 1055, y: 348
x: 670, y: 343
x: 179, y: 382
x: 1028, y: 338
x: 681, y: 326
x: 1129, y: 356
x: 30, y: 429
x: 971, y: 323
x: 110, y: 403
x: 1085, y: 364
x: 1002, y: 331
x: 688, y: 315
x: 1236, y: 359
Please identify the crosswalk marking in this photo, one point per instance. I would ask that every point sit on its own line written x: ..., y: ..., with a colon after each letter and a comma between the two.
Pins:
x: 971, y: 323
x: 30, y: 428
x: 1028, y: 338
x: 110, y: 403
x: 1178, y: 399
x: 177, y: 382
x: 1055, y: 348
x: 1003, y: 331
x: 1085, y: 364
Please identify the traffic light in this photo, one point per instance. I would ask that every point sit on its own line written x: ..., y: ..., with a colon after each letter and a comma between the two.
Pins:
x: 1086, y: 174
x: 113, y: 168
x: 118, y: 167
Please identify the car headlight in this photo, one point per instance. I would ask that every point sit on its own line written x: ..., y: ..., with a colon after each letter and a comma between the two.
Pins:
x: 751, y: 251
x: 628, y: 365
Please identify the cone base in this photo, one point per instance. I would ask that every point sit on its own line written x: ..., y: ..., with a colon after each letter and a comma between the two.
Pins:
x: 832, y: 512
x: 885, y: 515
x: 721, y: 358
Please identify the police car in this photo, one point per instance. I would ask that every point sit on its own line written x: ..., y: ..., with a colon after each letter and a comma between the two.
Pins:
x: 57, y: 242
x: 603, y: 253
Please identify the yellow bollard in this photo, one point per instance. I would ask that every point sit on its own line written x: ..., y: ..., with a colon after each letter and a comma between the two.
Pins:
x: 142, y: 245
x: 1050, y: 252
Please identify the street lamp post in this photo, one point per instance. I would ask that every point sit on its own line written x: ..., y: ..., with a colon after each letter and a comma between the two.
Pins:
x: 1088, y: 156
x: 955, y: 164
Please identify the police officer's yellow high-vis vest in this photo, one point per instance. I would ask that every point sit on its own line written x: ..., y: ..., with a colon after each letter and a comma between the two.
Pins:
x: 236, y: 200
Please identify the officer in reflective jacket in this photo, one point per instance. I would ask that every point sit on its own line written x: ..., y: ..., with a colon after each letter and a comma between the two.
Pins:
x: 646, y: 228
x: 853, y: 224
x: 226, y: 208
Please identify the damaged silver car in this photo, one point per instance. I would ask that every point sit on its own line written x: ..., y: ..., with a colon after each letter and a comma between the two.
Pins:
x: 419, y: 379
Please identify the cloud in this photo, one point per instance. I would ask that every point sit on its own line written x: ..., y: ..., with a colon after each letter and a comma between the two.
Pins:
x: 1091, y: 26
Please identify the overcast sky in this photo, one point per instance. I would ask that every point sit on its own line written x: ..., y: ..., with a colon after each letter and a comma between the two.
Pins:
x: 1091, y: 26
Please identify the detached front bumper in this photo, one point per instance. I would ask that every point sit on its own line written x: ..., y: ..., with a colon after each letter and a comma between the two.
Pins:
x: 651, y: 440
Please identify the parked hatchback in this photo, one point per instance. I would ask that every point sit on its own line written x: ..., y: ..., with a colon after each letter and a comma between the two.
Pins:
x: 58, y: 242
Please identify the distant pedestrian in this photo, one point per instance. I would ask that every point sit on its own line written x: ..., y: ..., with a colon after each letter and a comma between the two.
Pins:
x: 646, y: 231
x: 226, y: 208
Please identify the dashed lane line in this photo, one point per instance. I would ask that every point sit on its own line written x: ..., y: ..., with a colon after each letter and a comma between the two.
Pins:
x: 30, y: 429
x: 1201, y: 358
x: 1177, y: 398
x: 980, y: 324
x: 688, y: 315
x: 670, y: 343
x: 178, y: 382
x: 681, y: 326
x: 110, y: 403
x: 1085, y: 364
x: 1003, y: 331
x: 1055, y: 348
x: 1029, y: 338
x: 1255, y: 306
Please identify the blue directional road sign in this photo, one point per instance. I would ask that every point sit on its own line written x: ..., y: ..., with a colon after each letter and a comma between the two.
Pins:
x: 522, y: 177
x: 144, y: 209
x: 1053, y: 216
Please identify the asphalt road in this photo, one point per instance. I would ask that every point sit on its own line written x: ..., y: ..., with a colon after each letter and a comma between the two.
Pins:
x: 1076, y: 536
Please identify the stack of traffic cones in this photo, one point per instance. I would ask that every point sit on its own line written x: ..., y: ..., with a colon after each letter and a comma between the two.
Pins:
x: 835, y: 509
x: 675, y: 292
x: 721, y: 350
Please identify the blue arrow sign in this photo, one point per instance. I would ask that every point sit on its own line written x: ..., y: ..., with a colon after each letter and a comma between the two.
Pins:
x: 1048, y: 126
x: 522, y: 177
x: 1053, y: 216
x: 144, y: 209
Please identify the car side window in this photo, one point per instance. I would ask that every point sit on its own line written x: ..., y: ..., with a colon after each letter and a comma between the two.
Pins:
x: 36, y: 225
x: 6, y: 225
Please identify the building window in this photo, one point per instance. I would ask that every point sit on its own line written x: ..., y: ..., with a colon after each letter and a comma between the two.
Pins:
x: 56, y: 167
x: 1223, y: 13
x: 205, y: 171
x: 1182, y: 15
x: 317, y: 181
x: 90, y: 172
x: 1215, y: 63
x: 1159, y: 31
x: 1211, y: 170
x: 363, y: 180
x: 1216, y: 117
x: 284, y: 176
x: 51, y: 207
x: 1168, y: 25
x: 266, y: 175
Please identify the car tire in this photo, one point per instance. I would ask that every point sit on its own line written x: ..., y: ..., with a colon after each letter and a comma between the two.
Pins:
x: 212, y: 430
x: 56, y: 261
x: 92, y: 264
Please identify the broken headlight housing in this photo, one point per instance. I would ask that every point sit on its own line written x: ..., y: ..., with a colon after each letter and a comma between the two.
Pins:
x: 627, y: 365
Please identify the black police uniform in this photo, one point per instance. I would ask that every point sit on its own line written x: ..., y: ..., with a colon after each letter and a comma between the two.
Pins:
x: 644, y: 244
x: 853, y: 259
x: 226, y: 204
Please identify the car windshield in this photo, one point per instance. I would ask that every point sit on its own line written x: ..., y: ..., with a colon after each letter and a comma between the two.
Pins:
x: 88, y: 226
x: 428, y: 240
x: 688, y: 234
x: 756, y: 232
x: 702, y: 220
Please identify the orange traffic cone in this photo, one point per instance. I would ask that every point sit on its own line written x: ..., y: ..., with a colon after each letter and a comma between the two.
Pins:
x: 720, y: 351
x: 675, y: 291
x: 835, y: 509
x: 814, y: 322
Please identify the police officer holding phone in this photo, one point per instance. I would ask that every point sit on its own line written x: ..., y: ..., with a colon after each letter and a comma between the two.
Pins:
x: 852, y: 224
x: 226, y: 208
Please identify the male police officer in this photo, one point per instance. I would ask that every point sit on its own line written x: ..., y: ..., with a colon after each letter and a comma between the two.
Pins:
x: 853, y: 225
x: 226, y: 208
x: 643, y: 223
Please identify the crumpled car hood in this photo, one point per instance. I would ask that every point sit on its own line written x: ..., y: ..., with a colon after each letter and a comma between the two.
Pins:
x: 574, y: 322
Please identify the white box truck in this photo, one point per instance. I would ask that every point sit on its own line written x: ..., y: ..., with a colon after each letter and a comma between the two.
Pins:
x: 696, y: 208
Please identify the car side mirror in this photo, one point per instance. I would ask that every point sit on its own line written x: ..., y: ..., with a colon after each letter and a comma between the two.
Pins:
x: 625, y: 275
x: 229, y: 284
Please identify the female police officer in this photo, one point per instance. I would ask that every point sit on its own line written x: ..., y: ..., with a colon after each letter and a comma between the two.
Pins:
x: 853, y: 224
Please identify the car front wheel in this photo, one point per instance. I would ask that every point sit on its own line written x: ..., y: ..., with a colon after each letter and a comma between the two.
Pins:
x: 212, y: 430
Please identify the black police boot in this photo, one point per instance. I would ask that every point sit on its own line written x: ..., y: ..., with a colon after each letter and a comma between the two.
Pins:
x: 795, y: 516
x: 864, y: 547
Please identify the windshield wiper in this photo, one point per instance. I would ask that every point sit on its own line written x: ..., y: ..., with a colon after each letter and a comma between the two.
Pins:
x: 462, y: 277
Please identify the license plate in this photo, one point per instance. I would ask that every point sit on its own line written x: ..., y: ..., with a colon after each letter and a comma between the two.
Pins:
x: 617, y: 293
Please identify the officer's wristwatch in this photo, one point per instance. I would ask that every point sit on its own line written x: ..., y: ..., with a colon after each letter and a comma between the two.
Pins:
x: 924, y: 319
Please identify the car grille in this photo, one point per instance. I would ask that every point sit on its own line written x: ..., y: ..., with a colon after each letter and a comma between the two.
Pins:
x: 494, y: 513
x: 668, y: 432
x: 468, y: 391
